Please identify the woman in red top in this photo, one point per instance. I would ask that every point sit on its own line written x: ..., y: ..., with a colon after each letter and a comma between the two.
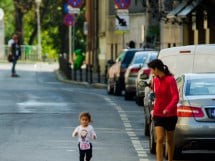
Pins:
x: 164, y: 113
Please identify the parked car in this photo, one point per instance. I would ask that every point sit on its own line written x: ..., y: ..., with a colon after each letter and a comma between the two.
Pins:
x: 140, y: 60
x: 180, y: 60
x: 143, y: 74
x: 108, y: 66
x: 196, y: 114
x: 115, y: 75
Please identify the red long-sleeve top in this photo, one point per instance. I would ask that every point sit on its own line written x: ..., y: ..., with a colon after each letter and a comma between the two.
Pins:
x: 166, y: 96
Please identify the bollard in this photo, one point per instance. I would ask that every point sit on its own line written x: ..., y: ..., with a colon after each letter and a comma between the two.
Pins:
x: 87, y: 73
x: 106, y: 72
x: 75, y: 74
x: 65, y: 67
x: 99, y: 74
x: 81, y: 79
x: 91, y: 73
x: 72, y: 73
x: 69, y: 76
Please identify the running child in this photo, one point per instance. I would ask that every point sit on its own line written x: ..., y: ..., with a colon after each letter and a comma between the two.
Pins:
x: 86, y: 134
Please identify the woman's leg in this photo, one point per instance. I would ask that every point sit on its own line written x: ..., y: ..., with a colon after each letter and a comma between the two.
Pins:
x: 159, y: 142
x: 170, y: 144
x: 13, y: 66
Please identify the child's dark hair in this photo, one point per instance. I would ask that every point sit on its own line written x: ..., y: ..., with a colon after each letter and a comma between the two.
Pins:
x: 85, y: 114
x: 157, y: 63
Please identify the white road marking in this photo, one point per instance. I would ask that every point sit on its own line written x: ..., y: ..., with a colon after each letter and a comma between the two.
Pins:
x: 71, y: 150
x: 141, y: 152
x: 33, y: 103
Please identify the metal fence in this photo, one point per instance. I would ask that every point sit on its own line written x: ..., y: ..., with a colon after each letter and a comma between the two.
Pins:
x: 85, y: 74
x: 29, y: 52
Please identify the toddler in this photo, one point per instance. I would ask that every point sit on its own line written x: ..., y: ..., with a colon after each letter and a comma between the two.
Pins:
x: 86, y: 134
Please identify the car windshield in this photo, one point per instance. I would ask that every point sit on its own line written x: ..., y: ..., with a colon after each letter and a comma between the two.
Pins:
x: 152, y: 57
x: 120, y: 57
x: 203, y: 86
x: 140, y: 58
x: 128, y: 57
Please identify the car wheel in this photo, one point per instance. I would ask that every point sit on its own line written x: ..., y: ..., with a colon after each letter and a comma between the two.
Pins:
x: 128, y: 96
x: 139, y: 100
x: 109, y: 88
x: 117, y: 89
x: 146, y: 128
x: 177, y: 152
x: 152, y: 143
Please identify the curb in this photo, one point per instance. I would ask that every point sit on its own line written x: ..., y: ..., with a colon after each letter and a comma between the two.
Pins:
x: 61, y: 77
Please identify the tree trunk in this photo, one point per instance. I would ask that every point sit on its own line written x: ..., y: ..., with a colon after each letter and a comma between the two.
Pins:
x: 19, y: 22
x: 64, y: 34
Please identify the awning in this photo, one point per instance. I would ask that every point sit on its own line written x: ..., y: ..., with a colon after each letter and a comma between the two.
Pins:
x: 189, y: 8
x: 183, y: 9
x: 174, y: 12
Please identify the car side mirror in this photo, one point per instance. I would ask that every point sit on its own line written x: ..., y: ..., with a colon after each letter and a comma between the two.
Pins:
x: 152, y: 96
x: 144, y: 76
x: 143, y: 83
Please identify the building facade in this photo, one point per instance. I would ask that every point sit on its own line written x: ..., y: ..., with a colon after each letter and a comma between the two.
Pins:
x: 189, y: 22
x: 161, y: 23
x: 110, y: 40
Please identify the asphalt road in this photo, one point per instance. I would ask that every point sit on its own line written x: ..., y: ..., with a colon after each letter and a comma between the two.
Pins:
x: 38, y: 114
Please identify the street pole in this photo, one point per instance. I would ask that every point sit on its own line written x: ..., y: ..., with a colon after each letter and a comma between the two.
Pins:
x: 39, y: 47
x: 70, y: 43
x: 123, y: 40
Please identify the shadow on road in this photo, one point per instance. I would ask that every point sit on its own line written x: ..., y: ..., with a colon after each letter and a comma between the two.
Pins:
x: 197, y: 156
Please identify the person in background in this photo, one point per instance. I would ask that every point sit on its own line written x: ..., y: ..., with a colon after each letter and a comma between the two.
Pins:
x: 164, y: 113
x: 86, y: 134
x: 14, y: 48
x: 131, y: 44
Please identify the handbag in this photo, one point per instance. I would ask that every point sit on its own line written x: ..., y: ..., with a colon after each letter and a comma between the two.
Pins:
x: 10, y: 58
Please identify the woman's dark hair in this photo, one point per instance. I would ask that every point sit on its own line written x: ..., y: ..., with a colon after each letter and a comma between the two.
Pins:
x: 157, y: 63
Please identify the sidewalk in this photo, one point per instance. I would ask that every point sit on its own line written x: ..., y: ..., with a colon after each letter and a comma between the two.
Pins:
x: 54, y: 67
x: 61, y: 77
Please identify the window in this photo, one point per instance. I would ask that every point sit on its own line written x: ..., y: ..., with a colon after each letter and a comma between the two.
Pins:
x: 203, y: 86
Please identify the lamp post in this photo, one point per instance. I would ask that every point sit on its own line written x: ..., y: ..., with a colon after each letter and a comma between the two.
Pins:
x: 39, y: 47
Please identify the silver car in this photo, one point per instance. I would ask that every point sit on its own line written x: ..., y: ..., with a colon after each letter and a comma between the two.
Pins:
x: 143, y: 75
x: 195, y: 128
x: 140, y: 60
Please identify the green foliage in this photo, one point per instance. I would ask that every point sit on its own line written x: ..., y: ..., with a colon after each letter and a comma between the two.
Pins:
x: 51, y: 16
x: 28, y: 26
x: 8, y: 7
x: 80, y: 38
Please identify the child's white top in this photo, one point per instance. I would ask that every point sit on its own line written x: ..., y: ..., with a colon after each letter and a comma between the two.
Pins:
x: 85, y: 134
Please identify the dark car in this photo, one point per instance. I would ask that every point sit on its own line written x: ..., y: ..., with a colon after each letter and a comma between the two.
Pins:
x: 115, y: 75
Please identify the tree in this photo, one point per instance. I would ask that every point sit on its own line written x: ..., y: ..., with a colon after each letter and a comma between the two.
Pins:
x: 21, y: 8
x: 21, y: 16
x: 7, y: 6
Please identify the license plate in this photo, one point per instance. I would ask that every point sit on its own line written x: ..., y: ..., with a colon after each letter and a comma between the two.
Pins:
x: 212, y: 113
